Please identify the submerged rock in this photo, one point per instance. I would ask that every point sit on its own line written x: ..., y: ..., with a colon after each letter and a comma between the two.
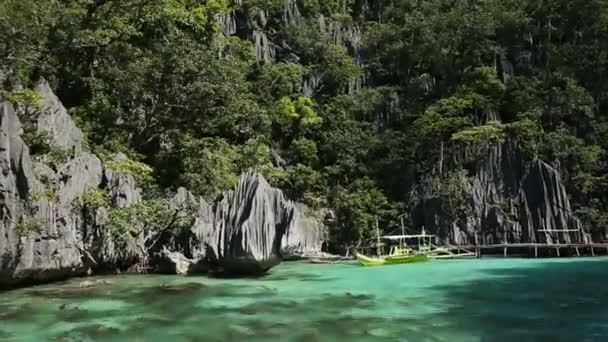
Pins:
x: 174, y: 263
x: 93, y: 283
x: 156, y: 292
x: 87, y: 284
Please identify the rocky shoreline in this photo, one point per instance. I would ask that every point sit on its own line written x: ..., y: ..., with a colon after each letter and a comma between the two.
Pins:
x: 47, y: 233
x: 58, y: 210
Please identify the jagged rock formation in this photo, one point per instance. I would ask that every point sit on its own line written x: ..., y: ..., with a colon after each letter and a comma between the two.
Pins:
x: 255, y: 23
x: 264, y: 49
x: 252, y: 228
x: 46, y: 234
x: 56, y: 122
x: 123, y: 187
x: 304, y: 236
x: 43, y: 236
x: 38, y: 239
x: 508, y: 200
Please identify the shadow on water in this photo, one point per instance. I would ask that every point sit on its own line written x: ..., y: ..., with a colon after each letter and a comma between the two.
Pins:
x: 327, y: 304
x: 549, y: 301
x: 14, y: 312
x: 554, y: 301
x: 296, y: 276
x: 4, y: 335
x: 91, y: 332
x: 70, y: 293
x: 168, y: 291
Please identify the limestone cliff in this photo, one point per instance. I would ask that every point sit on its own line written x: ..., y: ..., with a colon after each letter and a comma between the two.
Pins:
x: 43, y: 236
x: 508, y: 199
x: 251, y: 228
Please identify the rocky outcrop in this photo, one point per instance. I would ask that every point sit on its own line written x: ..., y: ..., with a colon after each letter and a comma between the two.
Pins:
x: 304, y: 236
x: 54, y: 120
x: 252, y: 228
x: 40, y: 236
x: 123, y: 188
x: 508, y: 200
x: 174, y: 263
x: 44, y: 235
x: 16, y: 185
x: 48, y: 233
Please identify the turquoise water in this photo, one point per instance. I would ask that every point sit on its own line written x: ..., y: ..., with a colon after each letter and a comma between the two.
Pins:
x: 462, y: 300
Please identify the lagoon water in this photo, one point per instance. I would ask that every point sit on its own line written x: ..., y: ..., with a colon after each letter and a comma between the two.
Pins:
x: 460, y: 300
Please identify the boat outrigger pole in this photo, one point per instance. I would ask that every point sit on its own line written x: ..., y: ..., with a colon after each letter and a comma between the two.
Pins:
x: 377, y: 237
x: 402, y: 230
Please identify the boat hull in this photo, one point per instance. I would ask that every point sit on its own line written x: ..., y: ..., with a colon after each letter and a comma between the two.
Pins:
x: 452, y: 256
x: 444, y: 253
x: 390, y: 260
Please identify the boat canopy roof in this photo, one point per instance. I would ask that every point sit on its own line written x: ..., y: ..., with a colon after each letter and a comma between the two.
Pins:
x: 399, y: 237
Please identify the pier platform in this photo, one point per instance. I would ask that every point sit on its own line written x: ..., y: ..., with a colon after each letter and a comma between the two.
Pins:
x: 538, y: 249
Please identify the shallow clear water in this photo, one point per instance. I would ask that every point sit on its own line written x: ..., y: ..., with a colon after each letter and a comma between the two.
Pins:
x: 465, y: 300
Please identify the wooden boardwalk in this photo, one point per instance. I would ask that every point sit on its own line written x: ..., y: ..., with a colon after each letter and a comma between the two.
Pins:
x: 557, y: 249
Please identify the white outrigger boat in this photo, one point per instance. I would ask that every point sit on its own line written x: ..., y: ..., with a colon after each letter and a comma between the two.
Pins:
x: 423, y: 245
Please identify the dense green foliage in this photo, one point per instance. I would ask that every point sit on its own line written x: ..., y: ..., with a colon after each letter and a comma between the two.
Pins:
x: 27, y: 227
x: 93, y: 198
x: 363, y: 99
x: 153, y: 215
x: 140, y: 171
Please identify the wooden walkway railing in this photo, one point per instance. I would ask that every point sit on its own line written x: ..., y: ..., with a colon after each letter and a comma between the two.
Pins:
x: 575, y: 248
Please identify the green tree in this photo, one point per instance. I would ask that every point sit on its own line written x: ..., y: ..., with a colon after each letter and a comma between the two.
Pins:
x: 159, y: 82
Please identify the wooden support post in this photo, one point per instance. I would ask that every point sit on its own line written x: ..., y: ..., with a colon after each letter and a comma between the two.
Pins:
x: 557, y: 250
x: 478, y: 252
x: 592, y: 252
x: 536, y: 251
x: 577, y: 252
x: 504, y: 252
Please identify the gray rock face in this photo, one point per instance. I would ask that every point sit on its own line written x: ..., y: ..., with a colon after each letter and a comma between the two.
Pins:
x: 509, y: 200
x: 56, y: 122
x: 123, y: 188
x: 304, y: 236
x: 174, y: 263
x: 100, y: 248
x: 16, y: 185
x: 247, y: 230
x: 40, y: 235
x: 38, y: 239
x: 44, y: 236
x: 56, y: 250
x: 79, y: 175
